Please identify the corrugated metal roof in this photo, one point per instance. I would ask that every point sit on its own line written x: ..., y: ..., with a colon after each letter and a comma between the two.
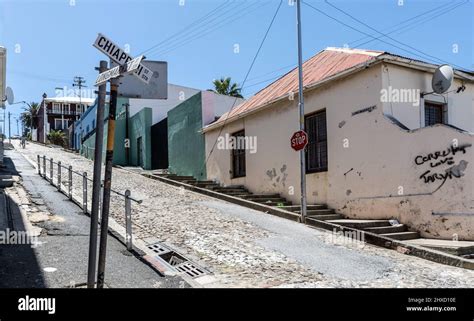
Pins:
x: 324, y: 64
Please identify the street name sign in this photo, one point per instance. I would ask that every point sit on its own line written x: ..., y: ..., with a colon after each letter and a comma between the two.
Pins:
x: 299, y: 140
x: 130, y: 66
x: 119, y: 55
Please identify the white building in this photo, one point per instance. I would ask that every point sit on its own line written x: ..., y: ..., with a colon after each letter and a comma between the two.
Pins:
x: 376, y: 149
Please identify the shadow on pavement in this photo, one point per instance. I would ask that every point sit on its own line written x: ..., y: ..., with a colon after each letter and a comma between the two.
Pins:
x: 19, y: 267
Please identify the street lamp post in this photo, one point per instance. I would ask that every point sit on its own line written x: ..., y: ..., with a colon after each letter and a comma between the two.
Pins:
x: 44, y: 118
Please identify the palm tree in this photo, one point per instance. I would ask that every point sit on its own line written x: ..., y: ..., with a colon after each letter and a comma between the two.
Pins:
x: 224, y: 86
x: 29, y: 117
x: 57, y: 137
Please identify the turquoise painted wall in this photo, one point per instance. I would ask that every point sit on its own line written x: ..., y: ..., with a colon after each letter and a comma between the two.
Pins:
x: 186, y: 145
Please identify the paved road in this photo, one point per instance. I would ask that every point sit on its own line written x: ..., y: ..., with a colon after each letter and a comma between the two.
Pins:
x: 64, y: 244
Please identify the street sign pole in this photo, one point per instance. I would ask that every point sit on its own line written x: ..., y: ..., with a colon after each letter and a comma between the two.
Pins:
x: 301, y: 112
x: 99, y: 138
x: 104, y: 224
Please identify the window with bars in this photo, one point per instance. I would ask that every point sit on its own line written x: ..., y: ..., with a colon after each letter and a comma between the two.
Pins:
x: 238, y: 156
x: 434, y: 114
x: 317, y: 148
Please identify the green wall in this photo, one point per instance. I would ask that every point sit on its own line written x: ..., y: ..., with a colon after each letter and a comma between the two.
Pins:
x: 186, y: 144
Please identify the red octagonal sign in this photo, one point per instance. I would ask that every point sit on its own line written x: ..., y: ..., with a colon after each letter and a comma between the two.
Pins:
x: 299, y: 140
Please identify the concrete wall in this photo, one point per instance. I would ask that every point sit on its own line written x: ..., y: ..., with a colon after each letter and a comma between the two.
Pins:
x: 185, y: 142
x: 371, y: 161
x: 176, y: 95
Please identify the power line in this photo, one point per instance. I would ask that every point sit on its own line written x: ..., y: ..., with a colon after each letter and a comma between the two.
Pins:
x: 416, y: 23
x: 407, y: 20
x: 201, y: 33
x: 202, y: 28
x: 246, y: 76
x: 355, y: 29
x: 389, y: 37
x: 197, y: 21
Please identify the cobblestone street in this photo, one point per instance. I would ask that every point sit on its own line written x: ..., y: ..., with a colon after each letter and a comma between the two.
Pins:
x: 246, y: 248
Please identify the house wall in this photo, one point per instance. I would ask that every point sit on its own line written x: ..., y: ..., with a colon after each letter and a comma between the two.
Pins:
x: 185, y: 142
x: 160, y: 107
x: 460, y: 106
x: 371, y: 161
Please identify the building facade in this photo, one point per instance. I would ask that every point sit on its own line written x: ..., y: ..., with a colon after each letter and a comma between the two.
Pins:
x: 186, y: 143
x: 58, y: 114
x: 379, y: 145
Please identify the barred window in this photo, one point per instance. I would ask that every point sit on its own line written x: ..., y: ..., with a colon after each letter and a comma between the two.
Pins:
x: 317, y: 148
x: 433, y: 114
x: 238, y: 157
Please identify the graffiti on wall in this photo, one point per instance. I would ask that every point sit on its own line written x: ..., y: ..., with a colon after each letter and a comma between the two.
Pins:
x: 437, y: 161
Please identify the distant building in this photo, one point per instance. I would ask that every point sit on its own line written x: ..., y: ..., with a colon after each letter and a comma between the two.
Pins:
x: 61, y: 112
x: 134, y: 119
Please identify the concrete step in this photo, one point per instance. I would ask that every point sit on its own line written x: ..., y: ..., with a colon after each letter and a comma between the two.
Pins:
x: 181, y: 178
x: 267, y: 199
x: 360, y: 224
x: 276, y: 204
x: 324, y: 217
x: 262, y: 196
x: 402, y: 235
x: 229, y: 190
x: 387, y: 229
x: 318, y: 212
x: 238, y: 194
x: 452, y: 247
x: 296, y: 208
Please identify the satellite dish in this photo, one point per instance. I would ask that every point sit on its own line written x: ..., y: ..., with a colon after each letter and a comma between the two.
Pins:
x: 9, y: 95
x: 442, y: 79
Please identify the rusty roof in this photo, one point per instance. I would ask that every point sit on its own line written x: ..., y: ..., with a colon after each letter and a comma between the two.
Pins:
x: 323, y: 65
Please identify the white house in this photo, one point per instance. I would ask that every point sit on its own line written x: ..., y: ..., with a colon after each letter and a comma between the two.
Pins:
x: 379, y: 145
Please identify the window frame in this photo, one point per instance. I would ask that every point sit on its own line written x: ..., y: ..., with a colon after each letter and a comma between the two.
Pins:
x: 235, y: 154
x: 320, y: 169
x: 443, y: 110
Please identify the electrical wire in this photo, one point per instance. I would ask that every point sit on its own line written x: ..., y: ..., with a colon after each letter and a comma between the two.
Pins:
x: 245, y: 78
x: 389, y: 37
x: 360, y: 31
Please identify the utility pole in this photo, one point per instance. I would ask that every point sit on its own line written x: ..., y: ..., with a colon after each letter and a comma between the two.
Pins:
x: 104, y: 224
x: 96, y: 188
x: 301, y: 112
x: 44, y: 118
x: 78, y: 82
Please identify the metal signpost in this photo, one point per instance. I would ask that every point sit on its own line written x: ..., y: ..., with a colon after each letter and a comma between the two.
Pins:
x: 127, y: 64
x: 301, y: 112
x: 96, y: 188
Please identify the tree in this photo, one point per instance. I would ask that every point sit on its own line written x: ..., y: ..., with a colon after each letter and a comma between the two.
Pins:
x: 224, y: 86
x: 29, y: 117
x: 57, y: 137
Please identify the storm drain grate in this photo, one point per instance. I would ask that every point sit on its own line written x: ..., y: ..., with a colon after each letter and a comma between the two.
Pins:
x: 176, y: 260
x: 158, y: 248
x: 190, y: 269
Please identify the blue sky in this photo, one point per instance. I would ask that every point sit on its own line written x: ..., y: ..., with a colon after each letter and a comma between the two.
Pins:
x: 49, y: 42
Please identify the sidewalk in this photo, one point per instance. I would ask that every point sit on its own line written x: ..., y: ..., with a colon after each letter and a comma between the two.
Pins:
x: 60, y: 257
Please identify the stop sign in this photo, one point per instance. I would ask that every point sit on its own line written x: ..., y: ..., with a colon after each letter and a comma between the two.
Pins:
x: 299, y: 140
